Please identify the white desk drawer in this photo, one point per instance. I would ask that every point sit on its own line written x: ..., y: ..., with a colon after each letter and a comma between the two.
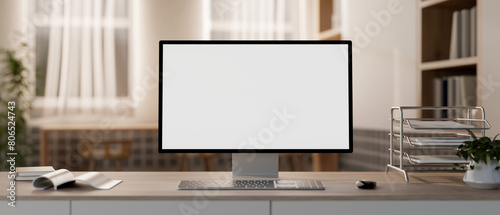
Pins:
x: 36, y: 207
x: 384, y: 207
x: 198, y: 206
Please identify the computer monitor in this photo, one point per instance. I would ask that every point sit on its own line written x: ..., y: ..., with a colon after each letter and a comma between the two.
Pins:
x: 255, y: 99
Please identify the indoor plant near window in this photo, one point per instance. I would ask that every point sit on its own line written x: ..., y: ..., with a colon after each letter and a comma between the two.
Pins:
x: 16, y: 79
x: 483, y: 154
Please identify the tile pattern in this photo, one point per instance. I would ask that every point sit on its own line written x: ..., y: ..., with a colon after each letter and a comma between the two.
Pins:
x: 145, y: 156
x: 370, y: 153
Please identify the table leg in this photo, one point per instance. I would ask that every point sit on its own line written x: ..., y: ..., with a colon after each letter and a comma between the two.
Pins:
x: 44, y: 149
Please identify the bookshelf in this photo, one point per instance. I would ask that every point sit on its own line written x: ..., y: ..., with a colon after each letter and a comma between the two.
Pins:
x: 329, y: 19
x: 448, y: 53
x: 449, y: 63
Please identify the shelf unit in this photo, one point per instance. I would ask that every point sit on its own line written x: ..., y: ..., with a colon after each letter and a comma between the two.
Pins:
x: 434, y: 32
x: 332, y: 34
x: 453, y: 63
x: 329, y: 20
x: 422, y: 141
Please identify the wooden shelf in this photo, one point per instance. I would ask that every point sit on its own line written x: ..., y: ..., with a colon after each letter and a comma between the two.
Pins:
x: 452, y: 4
x: 436, y: 27
x: 452, y: 63
x: 428, y: 3
x: 328, y: 20
x: 325, y: 14
x: 435, y: 20
x: 332, y: 34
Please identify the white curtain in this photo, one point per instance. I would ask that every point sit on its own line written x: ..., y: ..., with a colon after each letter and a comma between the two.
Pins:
x: 262, y: 19
x: 81, y: 65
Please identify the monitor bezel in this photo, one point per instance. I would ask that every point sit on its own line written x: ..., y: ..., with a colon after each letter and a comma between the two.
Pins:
x: 253, y: 42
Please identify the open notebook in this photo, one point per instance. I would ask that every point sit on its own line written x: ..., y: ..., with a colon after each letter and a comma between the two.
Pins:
x: 63, y: 176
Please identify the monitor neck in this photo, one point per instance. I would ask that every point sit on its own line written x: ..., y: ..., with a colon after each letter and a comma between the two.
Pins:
x: 255, y: 165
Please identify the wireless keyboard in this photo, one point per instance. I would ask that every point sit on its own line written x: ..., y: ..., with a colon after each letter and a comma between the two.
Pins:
x: 251, y: 185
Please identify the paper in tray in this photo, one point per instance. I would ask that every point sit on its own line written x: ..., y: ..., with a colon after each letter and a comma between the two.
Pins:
x: 439, y: 124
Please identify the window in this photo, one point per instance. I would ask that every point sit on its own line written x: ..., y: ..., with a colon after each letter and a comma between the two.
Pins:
x: 262, y: 19
x: 82, y: 54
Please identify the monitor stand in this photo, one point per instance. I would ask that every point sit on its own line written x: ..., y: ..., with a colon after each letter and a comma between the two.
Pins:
x: 255, y: 165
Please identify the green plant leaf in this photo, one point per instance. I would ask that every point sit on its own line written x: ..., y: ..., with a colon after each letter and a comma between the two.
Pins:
x: 472, y: 134
x: 484, y: 157
x: 494, y: 138
x: 472, y: 167
x: 15, y: 86
x: 485, y: 140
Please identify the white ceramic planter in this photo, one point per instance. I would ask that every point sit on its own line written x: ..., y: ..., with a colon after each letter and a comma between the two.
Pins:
x: 484, y: 176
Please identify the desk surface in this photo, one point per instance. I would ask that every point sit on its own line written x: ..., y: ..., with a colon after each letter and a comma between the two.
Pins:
x: 339, y: 186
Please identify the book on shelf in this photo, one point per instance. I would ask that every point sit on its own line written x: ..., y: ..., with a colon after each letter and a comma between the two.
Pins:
x: 454, y: 91
x: 468, y: 90
x: 444, y: 96
x: 438, y: 97
x: 63, y: 176
x: 473, y: 31
x: 32, y: 172
x: 463, y: 41
x: 465, y: 31
x: 451, y: 95
x: 456, y: 41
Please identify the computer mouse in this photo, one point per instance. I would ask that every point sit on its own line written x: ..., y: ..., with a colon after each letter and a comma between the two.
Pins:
x: 366, y: 184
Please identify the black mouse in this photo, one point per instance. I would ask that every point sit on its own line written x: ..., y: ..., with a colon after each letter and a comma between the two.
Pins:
x: 366, y: 184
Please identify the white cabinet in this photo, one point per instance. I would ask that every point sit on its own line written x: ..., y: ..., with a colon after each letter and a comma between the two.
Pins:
x: 189, y: 207
x: 383, y: 207
x: 36, y: 207
x: 193, y: 207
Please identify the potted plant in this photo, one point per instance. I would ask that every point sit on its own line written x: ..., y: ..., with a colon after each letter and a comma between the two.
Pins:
x: 15, y: 84
x: 483, y: 154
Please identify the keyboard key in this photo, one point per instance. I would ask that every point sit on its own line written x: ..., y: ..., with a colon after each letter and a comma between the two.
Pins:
x: 252, y: 185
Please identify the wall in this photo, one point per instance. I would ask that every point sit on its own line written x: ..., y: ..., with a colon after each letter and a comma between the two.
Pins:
x: 490, y: 71
x: 157, y: 20
x: 11, y: 20
x: 152, y: 21
x: 384, y: 57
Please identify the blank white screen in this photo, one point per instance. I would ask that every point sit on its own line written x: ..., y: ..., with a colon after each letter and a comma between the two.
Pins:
x: 218, y: 96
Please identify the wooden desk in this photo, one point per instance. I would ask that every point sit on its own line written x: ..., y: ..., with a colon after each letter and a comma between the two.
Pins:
x: 155, y: 192
x: 46, y: 129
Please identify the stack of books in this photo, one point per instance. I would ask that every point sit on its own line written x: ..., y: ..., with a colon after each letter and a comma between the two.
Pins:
x: 452, y: 91
x: 30, y: 173
x: 464, y: 34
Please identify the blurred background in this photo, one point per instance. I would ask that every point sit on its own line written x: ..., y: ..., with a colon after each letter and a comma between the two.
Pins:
x: 84, y: 73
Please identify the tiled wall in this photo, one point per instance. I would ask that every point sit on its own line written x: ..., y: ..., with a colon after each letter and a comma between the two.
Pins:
x: 370, y: 153
x: 145, y: 156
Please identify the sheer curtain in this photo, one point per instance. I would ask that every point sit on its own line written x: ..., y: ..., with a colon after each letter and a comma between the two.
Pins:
x: 262, y: 19
x: 81, y: 74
